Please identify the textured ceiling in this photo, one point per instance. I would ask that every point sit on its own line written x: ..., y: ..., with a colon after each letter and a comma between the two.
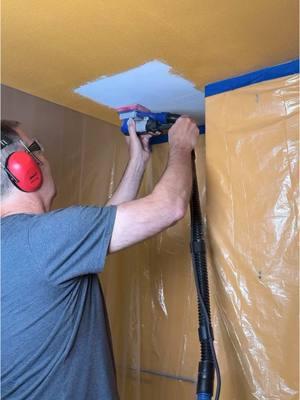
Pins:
x: 51, y: 47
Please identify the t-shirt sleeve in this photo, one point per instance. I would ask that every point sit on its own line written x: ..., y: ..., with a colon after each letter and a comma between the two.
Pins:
x: 71, y: 242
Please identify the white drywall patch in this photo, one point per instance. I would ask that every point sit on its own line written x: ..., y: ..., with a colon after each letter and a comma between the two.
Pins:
x: 153, y: 85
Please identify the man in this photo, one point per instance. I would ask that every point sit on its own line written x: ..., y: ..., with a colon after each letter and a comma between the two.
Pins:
x: 55, y: 344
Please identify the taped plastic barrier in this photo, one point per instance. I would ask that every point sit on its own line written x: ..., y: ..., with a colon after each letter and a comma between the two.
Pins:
x: 252, y: 184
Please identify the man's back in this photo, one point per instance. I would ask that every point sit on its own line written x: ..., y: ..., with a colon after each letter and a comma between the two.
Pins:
x: 54, y: 332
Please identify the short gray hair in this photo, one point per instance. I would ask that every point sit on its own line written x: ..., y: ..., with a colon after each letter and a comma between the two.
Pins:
x: 8, y: 132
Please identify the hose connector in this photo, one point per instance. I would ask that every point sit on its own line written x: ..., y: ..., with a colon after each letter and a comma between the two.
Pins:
x: 206, y: 374
x: 203, y: 396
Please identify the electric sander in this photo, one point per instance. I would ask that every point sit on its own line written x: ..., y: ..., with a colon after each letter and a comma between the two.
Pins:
x: 148, y: 122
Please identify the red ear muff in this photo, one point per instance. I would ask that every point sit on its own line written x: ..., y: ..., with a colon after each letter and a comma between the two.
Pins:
x: 23, y: 167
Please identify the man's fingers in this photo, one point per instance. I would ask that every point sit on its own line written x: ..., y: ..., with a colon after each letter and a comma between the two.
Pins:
x: 156, y: 133
x: 146, y: 144
x: 145, y: 141
x: 131, y: 127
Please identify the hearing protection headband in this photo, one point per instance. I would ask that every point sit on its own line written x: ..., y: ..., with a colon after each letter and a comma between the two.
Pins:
x: 35, y: 146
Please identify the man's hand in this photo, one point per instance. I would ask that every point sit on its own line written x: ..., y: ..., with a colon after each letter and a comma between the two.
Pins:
x: 184, y: 134
x: 139, y: 148
x: 139, y: 151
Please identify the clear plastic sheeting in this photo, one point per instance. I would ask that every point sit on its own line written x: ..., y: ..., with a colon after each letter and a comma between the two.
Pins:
x: 251, y: 172
x: 252, y: 184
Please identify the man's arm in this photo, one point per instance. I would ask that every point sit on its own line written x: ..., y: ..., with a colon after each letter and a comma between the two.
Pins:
x: 139, y: 152
x: 140, y: 219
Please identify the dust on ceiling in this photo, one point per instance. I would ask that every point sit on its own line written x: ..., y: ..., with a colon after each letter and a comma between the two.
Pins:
x: 51, y: 47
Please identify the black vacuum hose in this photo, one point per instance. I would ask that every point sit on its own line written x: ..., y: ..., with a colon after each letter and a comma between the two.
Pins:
x: 208, y: 362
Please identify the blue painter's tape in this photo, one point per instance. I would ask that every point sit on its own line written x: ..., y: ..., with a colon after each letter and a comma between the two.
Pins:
x: 266, y: 74
x: 164, y: 138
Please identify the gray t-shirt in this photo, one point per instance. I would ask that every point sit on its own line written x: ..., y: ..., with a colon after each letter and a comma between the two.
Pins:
x: 55, y: 338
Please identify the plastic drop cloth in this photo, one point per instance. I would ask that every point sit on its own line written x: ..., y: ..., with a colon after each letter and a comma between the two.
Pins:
x: 251, y: 172
x: 252, y: 184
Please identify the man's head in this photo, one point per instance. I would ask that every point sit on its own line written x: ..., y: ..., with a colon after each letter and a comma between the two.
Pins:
x: 15, y: 144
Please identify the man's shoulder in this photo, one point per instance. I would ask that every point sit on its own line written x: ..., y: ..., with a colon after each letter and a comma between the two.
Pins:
x: 76, y: 213
x: 67, y: 211
x: 60, y: 220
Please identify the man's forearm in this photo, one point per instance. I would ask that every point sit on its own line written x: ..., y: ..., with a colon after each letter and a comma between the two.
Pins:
x: 176, y: 182
x: 129, y: 186
x: 167, y: 204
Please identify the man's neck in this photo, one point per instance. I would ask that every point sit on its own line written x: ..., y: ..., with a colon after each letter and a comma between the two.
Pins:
x: 26, y: 205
